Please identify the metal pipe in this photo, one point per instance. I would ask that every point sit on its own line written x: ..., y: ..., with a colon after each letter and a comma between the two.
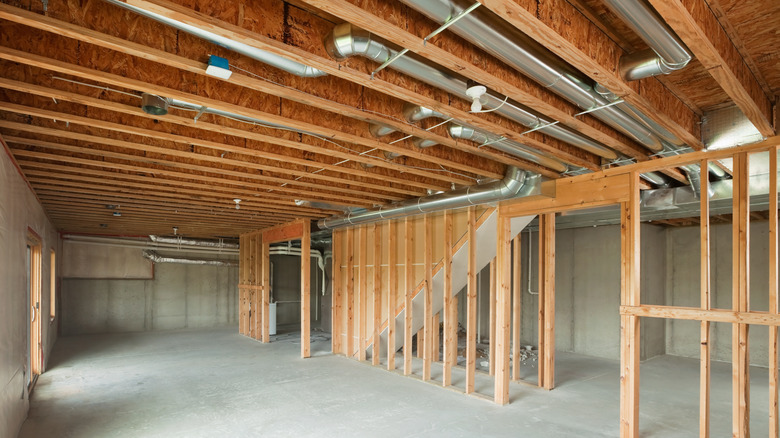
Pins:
x: 345, y: 41
x: 516, y: 183
x: 667, y: 53
x: 156, y: 258
x: 269, y: 58
x: 506, y: 43
x: 322, y: 205
x: 178, y: 240
x: 508, y: 146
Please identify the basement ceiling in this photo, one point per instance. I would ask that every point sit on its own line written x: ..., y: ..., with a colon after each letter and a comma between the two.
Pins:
x: 72, y: 73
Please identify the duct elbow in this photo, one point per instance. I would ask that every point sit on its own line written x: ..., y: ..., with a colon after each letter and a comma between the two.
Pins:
x: 647, y: 63
x: 345, y: 41
x: 415, y: 113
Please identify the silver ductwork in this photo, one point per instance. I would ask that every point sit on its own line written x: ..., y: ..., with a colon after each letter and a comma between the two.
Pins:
x: 515, y: 184
x: 322, y: 205
x: 157, y: 258
x: 178, y: 240
x: 508, y: 146
x: 666, y: 54
x: 506, y: 43
x: 345, y: 41
x: 269, y: 58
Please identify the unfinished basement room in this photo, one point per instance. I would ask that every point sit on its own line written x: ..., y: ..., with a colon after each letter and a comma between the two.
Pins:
x: 389, y: 218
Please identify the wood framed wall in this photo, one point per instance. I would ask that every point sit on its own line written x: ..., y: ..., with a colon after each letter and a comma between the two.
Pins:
x: 424, y: 247
x: 254, y: 280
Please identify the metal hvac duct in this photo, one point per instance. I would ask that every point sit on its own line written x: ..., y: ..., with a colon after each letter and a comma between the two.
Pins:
x: 508, y: 146
x: 157, y: 258
x: 193, y: 242
x: 269, y: 58
x: 506, y: 43
x: 345, y: 41
x: 666, y: 54
x: 515, y: 184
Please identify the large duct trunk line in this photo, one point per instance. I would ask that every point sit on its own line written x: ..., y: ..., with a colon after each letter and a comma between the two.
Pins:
x: 515, y: 184
x: 157, y: 258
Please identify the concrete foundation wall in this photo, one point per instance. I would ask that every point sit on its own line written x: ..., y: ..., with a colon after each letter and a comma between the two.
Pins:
x: 178, y: 296
x: 683, y: 289
x: 286, y: 292
x: 587, y: 290
x: 20, y: 210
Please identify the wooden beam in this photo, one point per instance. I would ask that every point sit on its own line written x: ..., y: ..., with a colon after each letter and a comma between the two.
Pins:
x: 362, y: 290
x: 547, y: 285
x: 774, y: 304
x: 706, y: 304
x: 600, y: 65
x: 429, y: 50
x: 282, y: 233
x: 428, y: 298
x: 408, y: 291
x: 349, y: 296
x: 83, y: 34
x: 570, y: 194
x: 697, y: 314
x: 392, y: 290
x: 266, y: 300
x: 698, y: 27
x: 471, y: 301
x: 492, y: 319
x: 517, y: 306
x: 400, y: 177
x: 376, y: 230
x: 306, y: 290
x: 629, y: 324
x: 332, y: 134
x: 740, y: 298
x: 450, y: 308
x: 503, y: 266
x: 337, y: 306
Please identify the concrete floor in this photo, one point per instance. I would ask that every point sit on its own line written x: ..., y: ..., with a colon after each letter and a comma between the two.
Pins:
x: 217, y: 383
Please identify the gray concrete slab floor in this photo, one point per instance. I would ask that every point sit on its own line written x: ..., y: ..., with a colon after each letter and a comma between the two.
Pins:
x: 216, y: 383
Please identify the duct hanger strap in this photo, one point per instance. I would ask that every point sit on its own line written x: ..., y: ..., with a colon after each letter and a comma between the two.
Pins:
x: 440, y: 29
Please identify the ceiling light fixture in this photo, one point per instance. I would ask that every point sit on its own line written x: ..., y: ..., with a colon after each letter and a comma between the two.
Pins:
x: 475, y: 91
x: 237, y: 201
x: 154, y: 105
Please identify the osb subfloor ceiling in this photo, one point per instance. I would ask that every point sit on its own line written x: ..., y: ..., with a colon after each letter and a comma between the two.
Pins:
x: 72, y: 73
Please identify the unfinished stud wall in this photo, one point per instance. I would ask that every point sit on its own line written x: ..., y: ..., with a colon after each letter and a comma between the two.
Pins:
x: 173, y: 296
x: 19, y: 209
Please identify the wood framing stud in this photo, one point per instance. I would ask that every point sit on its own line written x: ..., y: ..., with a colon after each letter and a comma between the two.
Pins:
x: 503, y: 310
x: 408, y: 291
x: 392, y: 291
x: 471, y: 302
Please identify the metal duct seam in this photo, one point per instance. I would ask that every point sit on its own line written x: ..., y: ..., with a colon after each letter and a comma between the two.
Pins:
x: 667, y: 53
x: 269, y: 58
x: 519, y: 51
x: 508, y: 146
x: 515, y: 184
x: 345, y: 41
x: 193, y: 242
x: 156, y: 258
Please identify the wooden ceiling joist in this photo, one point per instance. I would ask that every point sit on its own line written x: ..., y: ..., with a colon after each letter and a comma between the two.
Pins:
x: 185, y: 64
x: 334, y: 68
x: 697, y: 26
x: 597, y: 56
x: 331, y: 134
x: 429, y: 50
x: 164, y: 164
x: 321, y: 161
x: 241, y: 154
x: 292, y: 194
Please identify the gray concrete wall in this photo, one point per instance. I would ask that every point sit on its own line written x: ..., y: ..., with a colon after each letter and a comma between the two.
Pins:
x: 177, y: 297
x: 683, y: 289
x: 286, y: 292
x: 19, y: 210
x: 587, y: 283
